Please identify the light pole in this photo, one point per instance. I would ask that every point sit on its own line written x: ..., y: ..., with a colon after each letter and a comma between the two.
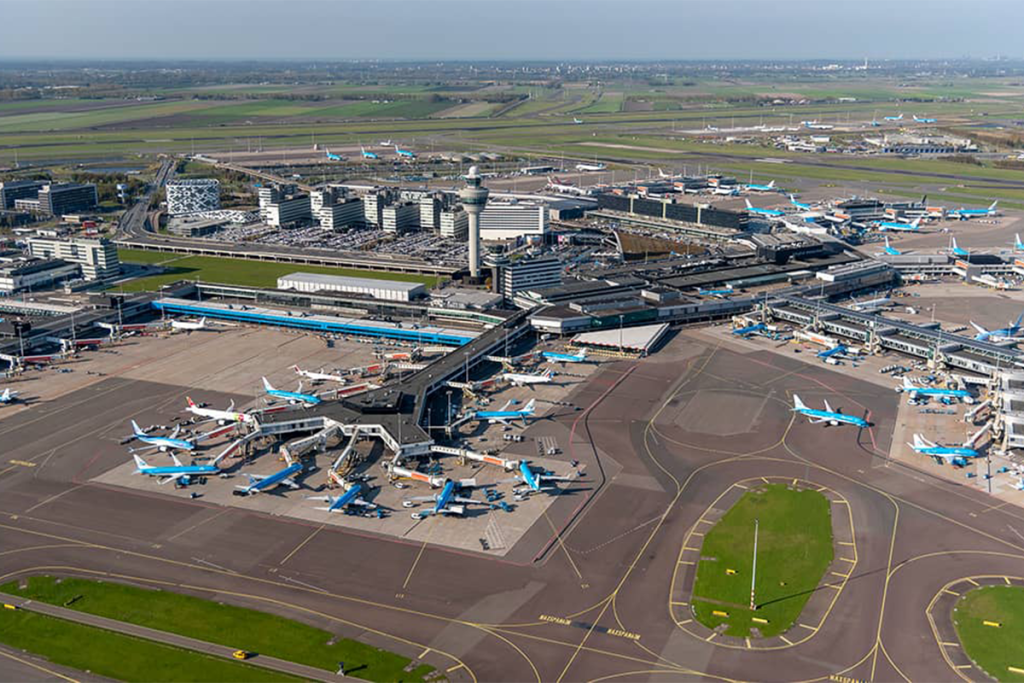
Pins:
x: 753, y: 573
x: 620, y: 332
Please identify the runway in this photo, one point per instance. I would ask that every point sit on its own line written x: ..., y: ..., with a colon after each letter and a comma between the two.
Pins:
x: 587, y: 594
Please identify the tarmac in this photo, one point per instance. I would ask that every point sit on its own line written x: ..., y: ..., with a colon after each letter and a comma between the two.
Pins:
x: 595, y: 587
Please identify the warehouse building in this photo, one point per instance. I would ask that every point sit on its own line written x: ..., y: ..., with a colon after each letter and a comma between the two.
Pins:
x: 32, y: 274
x: 387, y: 290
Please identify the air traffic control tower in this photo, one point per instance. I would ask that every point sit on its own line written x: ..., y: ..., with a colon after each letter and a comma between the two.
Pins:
x: 474, y: 198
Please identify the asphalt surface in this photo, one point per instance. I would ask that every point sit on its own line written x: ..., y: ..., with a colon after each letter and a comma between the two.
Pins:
x: 588, y: 592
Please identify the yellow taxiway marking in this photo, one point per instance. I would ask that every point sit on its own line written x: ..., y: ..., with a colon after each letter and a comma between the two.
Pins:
x: 809, y: 628
x: 686, y: 562
x: 786, y: 640
x: 36, y: 666
x: 846, y: 559
x: 22, y: 463
x: 299, y: 546
x: 843, y: 576
x: 424, y: 653
x: 765, y: 479
x: 846, y: 543
x: 741, y: 486
x: 453, y: 668
x: 950, y: 644
x: 711, y: 637
x: 1007, y: 580
x: 946, y: 590
x: 973, y: 582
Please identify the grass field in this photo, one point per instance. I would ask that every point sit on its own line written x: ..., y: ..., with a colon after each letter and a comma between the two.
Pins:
x: 794, y: 549
x: 244, y: 272
x: 236, y: 627
x: 993, y: 649
x: 117, y: 656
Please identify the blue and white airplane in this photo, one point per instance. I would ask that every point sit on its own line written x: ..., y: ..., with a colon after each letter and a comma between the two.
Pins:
x: 827, y: 416
x: 535, y: 481
x: 259, y: 483
x: 291, y: 396
x: 163, y: 443
x: 914, y: 391
x: 956, y: 250
x: 963, y: 214
x: 178, y: 471
x: 771, y: 213
x: 800, y: 205
x: 333, y: 157
x: 1011, y: 331
x: 913, y: 226
x: 720, y: 293
x: 339, y: 503
x: 889, y: 249
x: 443, y: 502
x: 958, y: 455
x: 580, y: 357
x: 1017, y: 244
x: 917, y: 120
x: 893, y: 118
x: 404, y: 153
x: 752, y: 329
x: 504, y: 415
x: 837, y: 350
x: 368, y: 155
x: 8, y: 395
x: 754, y: 187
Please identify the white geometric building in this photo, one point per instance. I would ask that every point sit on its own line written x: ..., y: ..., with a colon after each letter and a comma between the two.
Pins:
x: 193, y: 196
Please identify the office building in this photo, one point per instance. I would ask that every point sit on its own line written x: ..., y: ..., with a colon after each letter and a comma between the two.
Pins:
x: 96, y: 257
x: 399, y: 218
x: 374, y: 202
x: 513, y: 219
x: 388, y: 290
x: 524, y: 274
x: 12, y: 190
x: 327, y: 196
x: 342, y: 214
x: 193, y: 196
x: 454, y: 223
x: 20, y: 276
x: 287, y: 211
x: 58, y: 199
x: 431, y: 207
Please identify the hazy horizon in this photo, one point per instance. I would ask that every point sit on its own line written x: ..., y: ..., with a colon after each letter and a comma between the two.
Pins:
x: 512, y: 30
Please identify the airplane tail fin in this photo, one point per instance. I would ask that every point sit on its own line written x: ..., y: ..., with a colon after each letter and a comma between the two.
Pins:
x: 135, y: 428
x: 772, y: 184
x: 1017, y: 242
x: 798, y: 404
x: 748, y: 204
x: 139, y: 462
x: 992, y: 206
x: 267, y: 385
x: 916, y: 223
x: 6, y: 396
x: 828, y: 408
x: 191, y: 403
x: 528, y: 408
x: 907, y: 386
x: 921, y: 442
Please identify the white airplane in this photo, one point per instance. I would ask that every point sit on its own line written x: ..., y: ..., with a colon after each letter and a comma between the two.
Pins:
x: 534, y: 482
x: 754, y: 187
x: 8, y: 396
x: 576, y: 120
x: 339, y: 503
x: 504, y: 415
x: 556, y: 184
x: 590, y: 167
x: 318, y: 376
x: 666, y: 176
x: 827, y: 416
x: 520, y: 379
x: 385, y: 143
x: 189, y: 325
x: 221, y: 416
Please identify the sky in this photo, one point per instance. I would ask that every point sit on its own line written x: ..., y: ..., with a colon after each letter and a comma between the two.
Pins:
x: 510, y: 29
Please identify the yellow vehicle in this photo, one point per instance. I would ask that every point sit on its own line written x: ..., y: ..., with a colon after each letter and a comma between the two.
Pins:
x: 241, y: 654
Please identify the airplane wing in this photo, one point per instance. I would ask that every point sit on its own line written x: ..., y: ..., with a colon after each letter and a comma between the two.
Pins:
x: 816, y: 420
x: 421, y: 499
x: 231, y: 406
x: 170, y: 477
x: 290, y: 483
x: 177, y: 430
x: 828, y: 408
x: 177, y: 463
x: 979, y: 328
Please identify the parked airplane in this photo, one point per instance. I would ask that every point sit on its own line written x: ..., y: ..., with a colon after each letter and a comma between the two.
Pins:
x: 8, y: 395
x: 889, y: 249
x: 958, y: 455
x: 752, y: 329
x: 827, y: 416
x: 505, y: 415
x: 556, y: 184
x: 333, y: 157
x: 894, y: 118
x: 349, y: 497
x: 771, y: 213
x: 1009, y: 332
x: 221, y: 416
x: 913, y: 226
x: 814, y: 125
x: 443, y: 502
x: 915, y: 391
x: 535, y: 481
x: 177, y: 471
x: 963, y: 214
x: 259, y: 483
x: 520, y: 379
x: 189, y: 325
x: 666, y: 176
x: 367, y: 155
x: 719, y: 293
x: 576, y: 120
x: 318, y: 376
x: 385, y: 143
x: 800, y: 205
x: 291, y: 396
x: 754, y: 187
x: 404, y: 153
x: 726, y: 190
x: 1017, y: 244
x: 163, y: 443
x: 917, y: 120
x: 551, y: 356
x: 837, y: 350
x: 955, y: 250
x: 590, y: 167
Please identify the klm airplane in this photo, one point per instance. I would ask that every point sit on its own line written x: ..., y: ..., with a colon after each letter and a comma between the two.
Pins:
x: 836, y: 350
x: 754, y: 187
x: 800, y: 205
x: 580, y: 357
x: 893, y: 118
x: 260, y: 483
x: 827, y: 416
x: 367, y: 155
x: 963, y: 214
x: 334, y: 157
x: 8, y: 395
x: 720, y: 293
x: 753, y: 329
x: 914, y: 392
x: 900, y: 227
x: 770, y: 213
x: 339, y: 503
x: 163, y: 443
x: 291, y: 396
x: 958, y: 455
x: 890, y: 250
x: 535, y: 481
x: 955, y: 250
x: 917, y: 120
x: 1009, y: 332
x: 504, y: 415
x: 178, y: 471
x: 1017, y: 244
x: 443, y: 502
x: 404, y: 153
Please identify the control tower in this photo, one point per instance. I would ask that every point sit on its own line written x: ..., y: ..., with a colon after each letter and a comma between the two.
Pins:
x: 474, y: 198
